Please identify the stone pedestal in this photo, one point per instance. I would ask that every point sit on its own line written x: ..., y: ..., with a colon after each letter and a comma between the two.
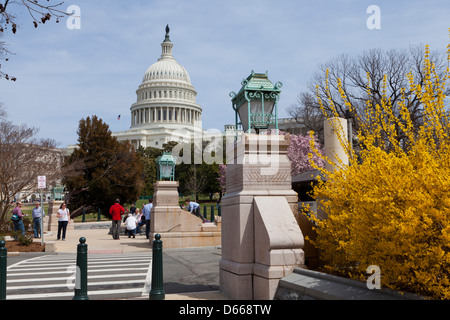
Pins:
x: 51, y: 217
x: 336, y: 133
x: 261, y: 240
x: 177, y: 227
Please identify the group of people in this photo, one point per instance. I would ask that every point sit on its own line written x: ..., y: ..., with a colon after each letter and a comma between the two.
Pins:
x: 38, y: 214
x: 134, y: 219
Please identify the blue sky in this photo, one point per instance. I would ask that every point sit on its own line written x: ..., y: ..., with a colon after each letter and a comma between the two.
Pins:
x: 65, y: 75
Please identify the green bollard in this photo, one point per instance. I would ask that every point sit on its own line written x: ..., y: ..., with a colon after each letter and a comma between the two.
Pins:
x: 3, y: 255
x: 157, y: 291
x: 81, y: 278
x: 212, y: 213
x: 98, y: 216
x: 84, y: 215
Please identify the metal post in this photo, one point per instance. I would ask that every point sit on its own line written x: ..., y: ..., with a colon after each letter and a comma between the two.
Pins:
x: 212, y: 213
x: 81, y: 272
x: 98, y: 217
x: 204, y: 211
x: 84, y: 215
x: 3, y: 256
x: 157, y: 290
x: 219, y: 210
x: 41, y: 224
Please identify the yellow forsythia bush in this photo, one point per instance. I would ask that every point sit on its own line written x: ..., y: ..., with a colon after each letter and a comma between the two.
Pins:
x: 391, y: 206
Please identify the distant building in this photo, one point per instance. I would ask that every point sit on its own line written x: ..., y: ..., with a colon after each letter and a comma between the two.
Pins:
x: 166, y: 108
x: 291, y: 125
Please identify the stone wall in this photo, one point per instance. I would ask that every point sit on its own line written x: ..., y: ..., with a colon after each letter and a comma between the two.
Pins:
x: 305, y: 284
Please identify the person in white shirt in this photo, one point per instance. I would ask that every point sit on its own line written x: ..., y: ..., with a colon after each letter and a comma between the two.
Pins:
x: 131, y: 225
x: 63, y: 221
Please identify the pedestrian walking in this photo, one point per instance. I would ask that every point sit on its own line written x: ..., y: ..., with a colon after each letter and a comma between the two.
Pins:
x: 63, y: 221
x: 116, y: 211
x: 17, y: 217
x: 37, y: 214
x: 146, y: 211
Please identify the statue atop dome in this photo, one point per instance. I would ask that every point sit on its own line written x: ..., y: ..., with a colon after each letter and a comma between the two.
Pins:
x: 167, y: 34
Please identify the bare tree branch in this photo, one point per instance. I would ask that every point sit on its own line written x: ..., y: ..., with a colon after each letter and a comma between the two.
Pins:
x: 39, y: 13
x: 22, y: 159
x: 361, y: 74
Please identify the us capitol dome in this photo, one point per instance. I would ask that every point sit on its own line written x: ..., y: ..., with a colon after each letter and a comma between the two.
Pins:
x: 166, y: 108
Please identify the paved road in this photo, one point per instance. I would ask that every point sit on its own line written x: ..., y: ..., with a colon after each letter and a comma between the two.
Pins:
x: 112, y: 276
x: 53, y: 277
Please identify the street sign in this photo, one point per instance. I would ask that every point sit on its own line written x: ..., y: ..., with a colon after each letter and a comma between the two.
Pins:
x: 42, y: 182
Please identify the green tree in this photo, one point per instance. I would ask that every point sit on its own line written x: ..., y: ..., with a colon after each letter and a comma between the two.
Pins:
x: 149, y: 156
x: 196, y: 178
x: 101, y: 169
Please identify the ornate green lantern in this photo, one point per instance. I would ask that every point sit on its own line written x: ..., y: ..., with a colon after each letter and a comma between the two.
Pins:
x: 256, y: 102
x: 166, y: 167
x: 58, y: 193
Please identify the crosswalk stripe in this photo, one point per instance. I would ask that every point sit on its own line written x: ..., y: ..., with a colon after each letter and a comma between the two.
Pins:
x: 71, y: 294
x: 102, y: 276
x: 89, y: 262
x: 90, y: 284
x: 72, y: 271
x: 110, y: 267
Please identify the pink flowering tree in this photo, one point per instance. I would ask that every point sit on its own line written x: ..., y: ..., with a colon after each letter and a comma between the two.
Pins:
x: 222, y: 177
x: 298, y: 154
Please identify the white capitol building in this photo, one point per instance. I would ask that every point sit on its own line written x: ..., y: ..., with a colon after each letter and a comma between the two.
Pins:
x: 166, y: 107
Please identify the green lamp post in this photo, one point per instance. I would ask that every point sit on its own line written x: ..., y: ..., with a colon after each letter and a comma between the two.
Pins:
x: 166, y: 167
x: 256, y: 103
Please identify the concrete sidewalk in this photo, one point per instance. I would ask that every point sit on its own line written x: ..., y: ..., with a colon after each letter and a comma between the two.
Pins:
x: 189, y: 273
x: 98, y: 241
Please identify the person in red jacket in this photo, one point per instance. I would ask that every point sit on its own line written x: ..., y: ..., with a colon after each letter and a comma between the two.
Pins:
x: 116, y: 211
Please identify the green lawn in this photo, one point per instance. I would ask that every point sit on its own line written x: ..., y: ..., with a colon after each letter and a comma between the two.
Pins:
x: 93, y: 216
